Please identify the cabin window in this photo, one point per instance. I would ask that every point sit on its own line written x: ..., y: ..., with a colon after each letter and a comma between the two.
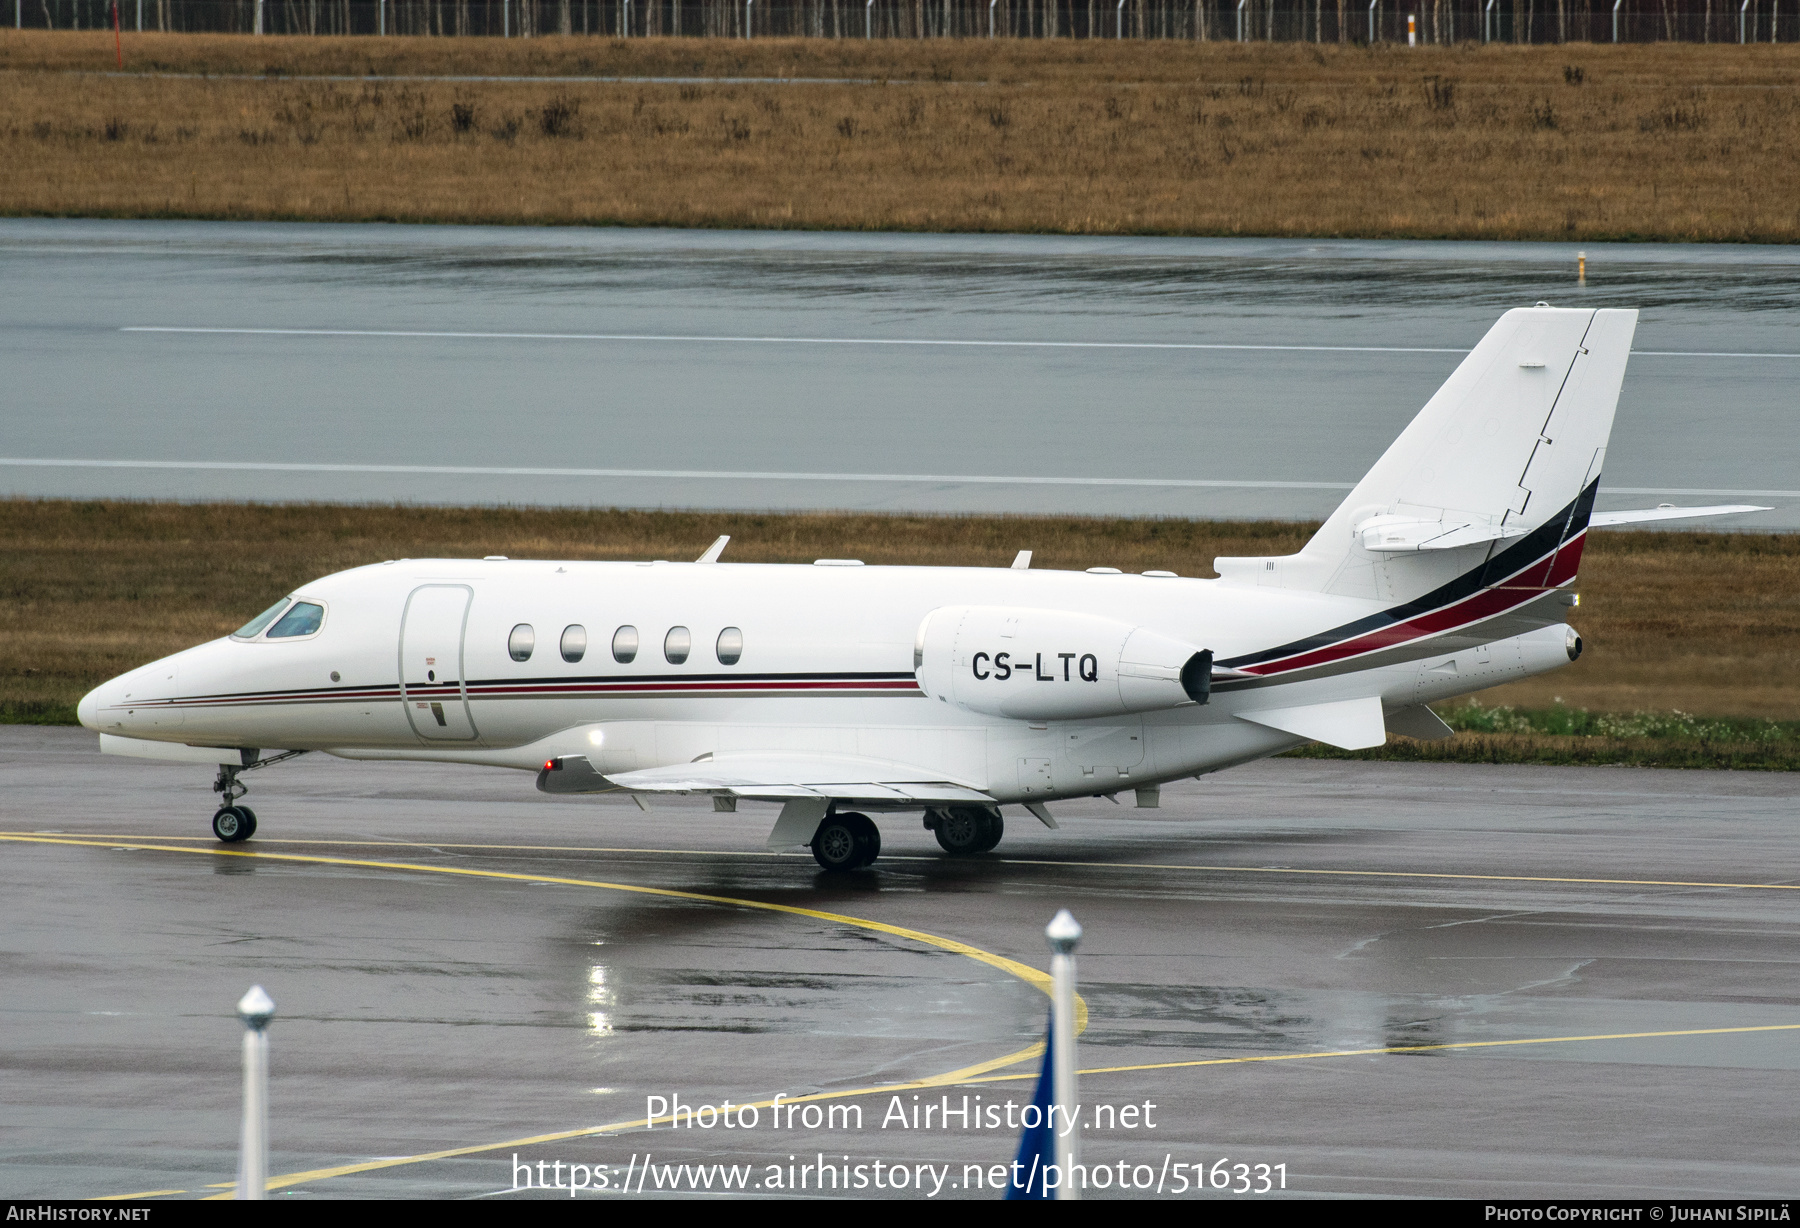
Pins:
x: 251, y: 629
x: 731, y: 646
x: 625, y: 645
x: 574, y: 643
x: 302, y: 619
x: 520, y: 643
x: 677, y: 644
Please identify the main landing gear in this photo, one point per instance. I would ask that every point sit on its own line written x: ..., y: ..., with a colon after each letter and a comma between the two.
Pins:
x: 233, y: 823
x: 846, y: 842
x: 963, y: 831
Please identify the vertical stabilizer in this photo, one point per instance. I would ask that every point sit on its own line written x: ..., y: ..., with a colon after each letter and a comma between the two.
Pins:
x: 1505, y: 458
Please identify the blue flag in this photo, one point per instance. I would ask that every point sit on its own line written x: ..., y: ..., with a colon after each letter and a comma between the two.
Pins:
x: 1037, y: 1145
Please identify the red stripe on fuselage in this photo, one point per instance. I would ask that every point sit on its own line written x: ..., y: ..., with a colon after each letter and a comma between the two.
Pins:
x: 1485, y: 604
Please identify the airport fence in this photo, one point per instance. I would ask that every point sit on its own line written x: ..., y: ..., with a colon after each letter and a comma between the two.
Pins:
x: 1428, y: 22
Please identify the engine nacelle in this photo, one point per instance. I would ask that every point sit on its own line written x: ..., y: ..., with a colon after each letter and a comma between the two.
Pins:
x: 1054, y: 665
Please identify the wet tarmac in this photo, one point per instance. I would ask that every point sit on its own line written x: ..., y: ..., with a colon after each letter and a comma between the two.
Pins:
x: 718, y: 369
x: 1604, y: 960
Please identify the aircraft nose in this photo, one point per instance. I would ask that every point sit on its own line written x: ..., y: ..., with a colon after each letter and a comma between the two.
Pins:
x: 88, y: 710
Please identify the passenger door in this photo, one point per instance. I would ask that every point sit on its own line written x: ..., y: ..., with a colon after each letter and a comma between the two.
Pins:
x: 432, y: 687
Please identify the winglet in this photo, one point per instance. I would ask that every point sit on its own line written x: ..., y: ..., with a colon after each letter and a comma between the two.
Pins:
x: 1022, y: 561
x: 714, y: 551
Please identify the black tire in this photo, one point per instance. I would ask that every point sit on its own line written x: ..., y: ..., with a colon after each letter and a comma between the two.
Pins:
x: 846, y: 842
x: 869, y: 835
x: 995, y: 827
x: 961, y: 831
x: 233, y: 824
x: 250, y: 819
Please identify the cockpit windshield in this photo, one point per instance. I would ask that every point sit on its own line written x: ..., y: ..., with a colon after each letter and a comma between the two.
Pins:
x: 251, y: 629
x: 303, y: 619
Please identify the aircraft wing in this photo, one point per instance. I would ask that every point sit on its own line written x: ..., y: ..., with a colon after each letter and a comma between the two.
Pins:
x: 767, y: 777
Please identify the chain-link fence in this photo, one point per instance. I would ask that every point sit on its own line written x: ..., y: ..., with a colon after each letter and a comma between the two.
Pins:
x: 1327, y: 21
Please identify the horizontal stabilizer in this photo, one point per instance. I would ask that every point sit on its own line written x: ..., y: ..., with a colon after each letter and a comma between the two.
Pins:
x: 1668, y: 511
x: 1419, y: 722
x: 1351, y: 724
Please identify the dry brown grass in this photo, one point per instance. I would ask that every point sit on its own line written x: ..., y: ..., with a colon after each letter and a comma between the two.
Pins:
x: 1706, y: 623
x: 1661, y: 141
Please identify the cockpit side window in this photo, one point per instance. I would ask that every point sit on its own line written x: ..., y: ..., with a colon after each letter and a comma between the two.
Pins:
x: 303, y: 619
x: 251, y: 629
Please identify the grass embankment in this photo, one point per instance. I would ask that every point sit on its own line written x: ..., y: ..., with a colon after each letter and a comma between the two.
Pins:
x: 1674, y: 622
x: 1576, y: 142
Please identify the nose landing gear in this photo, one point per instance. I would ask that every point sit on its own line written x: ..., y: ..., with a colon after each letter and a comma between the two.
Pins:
x: 232, y: 823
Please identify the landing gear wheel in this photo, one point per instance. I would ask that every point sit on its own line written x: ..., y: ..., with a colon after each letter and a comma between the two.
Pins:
x: 963, y: 831
x: 846, y: 842
x: 233, y: 823
x: 995, y: 828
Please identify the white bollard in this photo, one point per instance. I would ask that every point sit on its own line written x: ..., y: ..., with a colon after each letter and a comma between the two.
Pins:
x: 255, y: 1009
x: 1064, y: 932
x: 1412, y: 30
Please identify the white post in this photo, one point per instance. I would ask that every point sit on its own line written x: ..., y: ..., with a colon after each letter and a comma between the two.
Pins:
x: 625, y: 14
x: 259, y: 4
x: 1616, y: 4
x: 1412, y: 31
x: 991, y: 4
x: 255, y: 1009
x: 1487, y: 21
x: 1240, y: 16
x: 1741, y: 11
x: 1064, y: 932
x: 869, y: 19
x: 1119, y: 21
x: 140, y: 16
x: 749, y: 13
x: 1372, y: 4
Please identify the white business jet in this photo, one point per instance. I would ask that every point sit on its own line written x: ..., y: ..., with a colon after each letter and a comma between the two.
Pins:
x: 837, y: 690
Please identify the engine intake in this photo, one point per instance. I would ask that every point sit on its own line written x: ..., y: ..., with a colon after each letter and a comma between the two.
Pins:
x: 1032, y: 664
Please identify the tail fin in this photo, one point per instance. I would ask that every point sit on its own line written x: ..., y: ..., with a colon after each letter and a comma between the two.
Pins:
x: 1492, y: 483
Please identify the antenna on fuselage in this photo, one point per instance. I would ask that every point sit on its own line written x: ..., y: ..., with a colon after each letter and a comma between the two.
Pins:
x: 1022, y: 561
x: 713, y: 551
